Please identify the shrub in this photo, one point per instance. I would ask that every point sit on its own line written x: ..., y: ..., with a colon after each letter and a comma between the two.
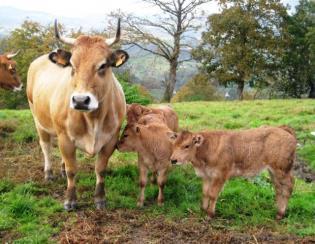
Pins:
x: 198, y: 88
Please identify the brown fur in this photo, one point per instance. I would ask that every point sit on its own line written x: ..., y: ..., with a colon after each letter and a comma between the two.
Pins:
x: 49, y: 89
x: 154, y: 151
x: 137, y: 113
x: 219, y: 155
x: 9, y: 78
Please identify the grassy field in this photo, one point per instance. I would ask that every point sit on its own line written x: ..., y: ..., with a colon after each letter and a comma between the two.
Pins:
x: 31, y: 209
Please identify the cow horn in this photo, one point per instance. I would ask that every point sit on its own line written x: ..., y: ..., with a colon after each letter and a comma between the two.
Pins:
x: 12, y: 55
x: 66, y: 40
x: 112, y: 41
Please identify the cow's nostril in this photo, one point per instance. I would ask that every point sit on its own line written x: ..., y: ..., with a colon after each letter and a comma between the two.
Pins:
x: 87, y: 100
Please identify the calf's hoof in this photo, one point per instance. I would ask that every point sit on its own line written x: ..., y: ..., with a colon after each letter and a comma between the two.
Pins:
x: 101, y: 204
x: 139, y: 204
x: 49, y: 175
x: 70, y: 205
x: 279, y: 216
x: 210, y: 215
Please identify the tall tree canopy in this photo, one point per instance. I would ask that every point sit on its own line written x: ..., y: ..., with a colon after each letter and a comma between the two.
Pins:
x: 299, y: 58
x: 244, y: 43
x: 167, y: 35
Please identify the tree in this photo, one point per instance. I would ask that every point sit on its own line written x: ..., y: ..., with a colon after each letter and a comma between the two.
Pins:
x: 244, y: 43
x: 33, y: 40
x: 299, y: 58
x: 199, y: 88
x: 167, y: 35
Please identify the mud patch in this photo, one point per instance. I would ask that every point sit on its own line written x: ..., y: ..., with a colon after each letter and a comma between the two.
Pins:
x: 303, y: 171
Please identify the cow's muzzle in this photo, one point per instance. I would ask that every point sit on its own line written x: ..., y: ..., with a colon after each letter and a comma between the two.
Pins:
x: 83, y: 102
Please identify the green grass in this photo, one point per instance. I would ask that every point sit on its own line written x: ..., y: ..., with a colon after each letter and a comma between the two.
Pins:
x: 243, y: 204
x: 26, y: 212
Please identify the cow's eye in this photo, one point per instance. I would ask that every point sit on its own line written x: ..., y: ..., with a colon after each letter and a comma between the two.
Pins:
x: 103, y: 66
x: 187, y: 146
x: 125, y: 136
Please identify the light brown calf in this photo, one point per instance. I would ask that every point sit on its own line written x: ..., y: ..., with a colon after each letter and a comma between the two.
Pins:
x: 154, y: 150
x: 137, y: 113
x: 220, y: 155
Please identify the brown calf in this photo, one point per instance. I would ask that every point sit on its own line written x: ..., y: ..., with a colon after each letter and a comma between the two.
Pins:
x: 144, y: 115
x: 220, y: 155
x: 154, y: 150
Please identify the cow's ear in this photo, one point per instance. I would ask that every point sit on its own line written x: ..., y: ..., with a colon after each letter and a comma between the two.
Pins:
x: 198, y: 140
x: 118, y: 58
x: 60, y: 57
x: 172, y: 135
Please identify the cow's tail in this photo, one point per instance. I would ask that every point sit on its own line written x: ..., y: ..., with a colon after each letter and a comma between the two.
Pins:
x: 288, y: 129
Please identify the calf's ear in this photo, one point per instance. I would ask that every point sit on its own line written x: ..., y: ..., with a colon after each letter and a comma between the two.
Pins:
x: 60, y: 57
x: 118, y: 58
x: 172, y: 135
x: 198, y: 140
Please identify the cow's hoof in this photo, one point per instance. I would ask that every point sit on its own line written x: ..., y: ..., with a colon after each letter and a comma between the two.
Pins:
x: 70, y: 206
x: 100, y: 204
x: 49, y: 175
x: 160, y: 203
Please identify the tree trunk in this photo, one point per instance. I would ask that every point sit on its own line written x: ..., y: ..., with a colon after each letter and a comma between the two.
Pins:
x: 240, y: 89
x: 312, y: 91
x: 170, y: 84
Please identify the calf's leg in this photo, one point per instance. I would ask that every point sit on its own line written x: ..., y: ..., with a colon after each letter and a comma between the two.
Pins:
x: 143, y: 174
x: 67, y: 149
x: 161, y: 180
x: 214, y: 189
x: 205, y: 196
x: 283, y: 183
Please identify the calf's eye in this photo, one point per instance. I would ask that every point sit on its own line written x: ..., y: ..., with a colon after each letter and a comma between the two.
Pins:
x: 125, y: 136
x: 187, y: 146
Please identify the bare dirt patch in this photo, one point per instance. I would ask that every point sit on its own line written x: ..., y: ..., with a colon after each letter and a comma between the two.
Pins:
x: 131, y: 226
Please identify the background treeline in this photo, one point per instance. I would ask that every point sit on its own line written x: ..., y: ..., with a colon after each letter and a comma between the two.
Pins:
x: 251, y: 49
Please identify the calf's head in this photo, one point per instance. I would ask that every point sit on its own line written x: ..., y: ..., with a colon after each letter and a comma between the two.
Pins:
x: 91, y: 60
x: 130, y: 139
x: 185, y: 146
x: 135, y: 111
x: 9, y: 78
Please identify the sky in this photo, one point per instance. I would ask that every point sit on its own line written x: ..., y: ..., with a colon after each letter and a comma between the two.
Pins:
x: 79, y: 8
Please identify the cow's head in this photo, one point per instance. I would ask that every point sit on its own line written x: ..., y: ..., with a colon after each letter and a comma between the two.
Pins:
x: 185, y: 146
x: 91, y: 61
x: 9, y: 78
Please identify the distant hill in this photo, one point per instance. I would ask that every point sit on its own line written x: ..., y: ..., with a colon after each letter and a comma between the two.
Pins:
x: 145, y: 68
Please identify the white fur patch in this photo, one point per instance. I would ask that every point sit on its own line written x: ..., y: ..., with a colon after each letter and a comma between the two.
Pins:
x: 16, y: 89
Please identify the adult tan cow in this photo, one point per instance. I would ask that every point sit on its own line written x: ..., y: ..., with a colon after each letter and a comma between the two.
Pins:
x: 82, y: 104
x: 9, y: 79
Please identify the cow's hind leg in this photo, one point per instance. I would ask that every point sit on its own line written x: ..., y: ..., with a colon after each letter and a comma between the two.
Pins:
x: 283, y: 183
x: 100, y: 167
x: 67, y: 149
x: 45, y: 144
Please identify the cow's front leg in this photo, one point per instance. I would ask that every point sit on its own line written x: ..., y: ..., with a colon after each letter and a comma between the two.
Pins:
x: 67, y: 149
x: 100, y: 167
